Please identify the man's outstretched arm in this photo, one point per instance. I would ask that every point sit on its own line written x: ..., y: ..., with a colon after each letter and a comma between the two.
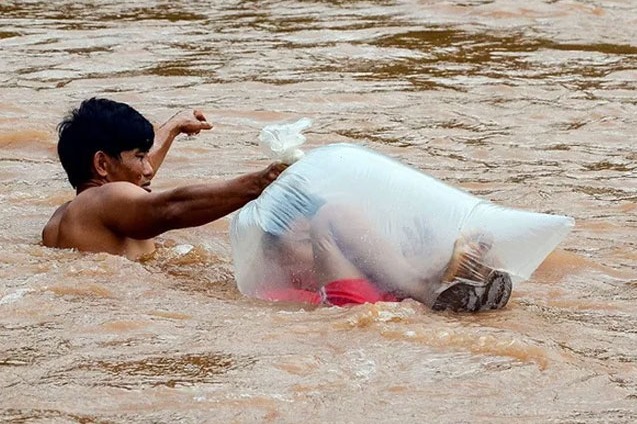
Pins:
x: 135, y: 213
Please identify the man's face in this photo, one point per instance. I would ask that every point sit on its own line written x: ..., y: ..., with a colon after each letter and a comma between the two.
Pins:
x: 134, y: 167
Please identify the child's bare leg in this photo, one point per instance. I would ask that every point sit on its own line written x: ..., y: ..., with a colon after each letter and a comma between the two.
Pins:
x: 347, y: 246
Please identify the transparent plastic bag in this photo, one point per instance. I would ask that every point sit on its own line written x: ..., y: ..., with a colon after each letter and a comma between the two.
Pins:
x: 404, y: 231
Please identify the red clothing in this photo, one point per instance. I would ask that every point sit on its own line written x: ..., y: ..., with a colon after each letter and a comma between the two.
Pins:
x: 339, y: 293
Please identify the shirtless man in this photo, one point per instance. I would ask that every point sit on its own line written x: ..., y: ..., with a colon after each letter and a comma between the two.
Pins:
x: 110, y: 153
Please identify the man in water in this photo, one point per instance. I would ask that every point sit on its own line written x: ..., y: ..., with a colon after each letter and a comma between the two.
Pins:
x: 110, y: 153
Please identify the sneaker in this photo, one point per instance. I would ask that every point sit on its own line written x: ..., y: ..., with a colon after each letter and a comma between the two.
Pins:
x: 463, y: 295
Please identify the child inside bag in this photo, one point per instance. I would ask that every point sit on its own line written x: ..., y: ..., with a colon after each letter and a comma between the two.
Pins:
x: 344, y: 224
x: 335, y: 257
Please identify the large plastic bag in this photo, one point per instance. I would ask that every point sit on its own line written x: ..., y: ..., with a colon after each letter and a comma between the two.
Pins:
x: 411, y: 221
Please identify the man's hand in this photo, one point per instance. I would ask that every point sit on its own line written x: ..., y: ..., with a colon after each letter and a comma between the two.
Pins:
x: 189, y: 122
x: 269, y: 174
x: 272, y: 172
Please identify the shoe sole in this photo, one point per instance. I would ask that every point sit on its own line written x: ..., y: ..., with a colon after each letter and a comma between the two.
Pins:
x: 464, y: 295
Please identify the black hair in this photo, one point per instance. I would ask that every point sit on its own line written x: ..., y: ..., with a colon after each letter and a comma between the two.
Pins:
x: 100, y: 124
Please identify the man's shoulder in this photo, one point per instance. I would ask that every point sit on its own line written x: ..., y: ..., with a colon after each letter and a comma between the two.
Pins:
x: 90, y: 203
x: 115, y: 186
x: 51, y: 229
x: 89, y: 210
x: 113, y: 190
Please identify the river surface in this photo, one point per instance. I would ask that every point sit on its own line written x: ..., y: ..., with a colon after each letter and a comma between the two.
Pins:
x: 529, y: 104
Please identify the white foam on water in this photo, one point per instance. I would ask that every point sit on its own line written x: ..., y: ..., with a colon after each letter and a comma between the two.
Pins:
x: 14, y: 297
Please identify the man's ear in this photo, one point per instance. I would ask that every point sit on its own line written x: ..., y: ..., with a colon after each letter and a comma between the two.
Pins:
x: 100, y: 163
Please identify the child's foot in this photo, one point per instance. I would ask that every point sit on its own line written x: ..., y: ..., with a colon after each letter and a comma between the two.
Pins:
x: 467, y: 260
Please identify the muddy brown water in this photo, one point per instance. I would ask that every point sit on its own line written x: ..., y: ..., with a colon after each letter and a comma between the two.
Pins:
x: 530, y: 105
